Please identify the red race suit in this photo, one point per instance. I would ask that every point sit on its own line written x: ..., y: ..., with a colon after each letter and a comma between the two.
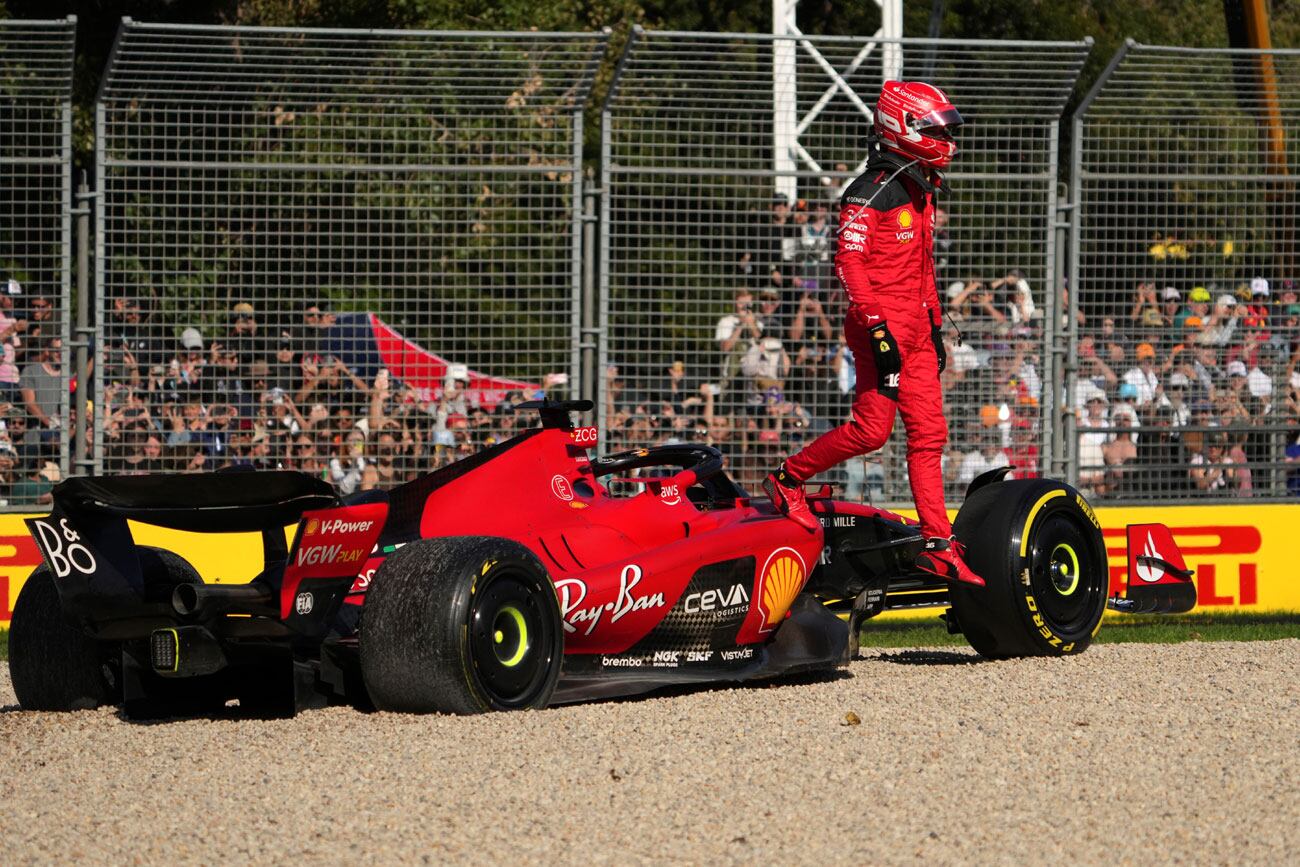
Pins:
x: 885, y: 262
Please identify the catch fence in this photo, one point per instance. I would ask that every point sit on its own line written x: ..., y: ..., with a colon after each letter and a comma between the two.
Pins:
x: 341, y: 251
x: 723, y: 157
x: 1187, y: 324
x: 36, y: 66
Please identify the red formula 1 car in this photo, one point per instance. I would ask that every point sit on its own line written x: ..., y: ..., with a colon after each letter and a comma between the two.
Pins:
x: 514, y: 579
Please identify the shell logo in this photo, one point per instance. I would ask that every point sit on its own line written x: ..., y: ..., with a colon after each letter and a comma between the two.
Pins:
x: 779, y: 583
x: 312, y: 526
x: 905, y: 219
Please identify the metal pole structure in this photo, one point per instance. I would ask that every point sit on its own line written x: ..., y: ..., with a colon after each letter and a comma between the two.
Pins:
x: 65, y: 326
x: 1077, y: 283
x: 786, y: 125
x: 577, y: 238
x: 602, y: 249
x: 1058, y: 312
x: 891, y: 28
x: 81, y: 461
x: 785, y: 89
x: 590, y: 330
x: 97, y: 432
x: 1049, y: 397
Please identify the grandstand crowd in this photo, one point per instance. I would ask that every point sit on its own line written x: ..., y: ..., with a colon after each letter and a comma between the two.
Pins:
x: 1181, y: 389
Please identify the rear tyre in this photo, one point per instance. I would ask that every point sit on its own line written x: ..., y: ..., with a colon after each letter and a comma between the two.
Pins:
x: 461, y: 625
x: 54, y: 665
x: 162, y: 571
x: 1038, y: 546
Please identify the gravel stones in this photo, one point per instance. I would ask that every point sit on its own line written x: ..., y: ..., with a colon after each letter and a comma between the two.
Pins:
x: 1127, y: 753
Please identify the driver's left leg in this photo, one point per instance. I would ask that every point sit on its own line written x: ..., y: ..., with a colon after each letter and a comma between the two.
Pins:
x: 920, y: 402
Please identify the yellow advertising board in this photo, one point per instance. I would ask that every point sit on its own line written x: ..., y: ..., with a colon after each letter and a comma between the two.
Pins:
x: 1244, y: 556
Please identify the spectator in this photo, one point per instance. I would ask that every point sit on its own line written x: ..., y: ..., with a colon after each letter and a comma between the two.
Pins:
x: 11, y: 331
x: 772, y: 319
x: 989, y: 456
x: 40, y: 317
x: 42, y: 387
x: 1222, y: 324
x: 1120, y: 452
x: 1019, y: 304
x: 1143, y: 377
x: 348, y: 465
x: 1092, y: 438
x: 1171, y: 302
x: 1198, y: 307
x: 815, y: 245
x: 1111, y: 343
x: 735, y: 333
x: 1211, y: 469
x: 1094, y: 373
x: 1159, y: 455
x: 974, y: 307
x: 1175, y: 399
x: 243, y: 337
x: 1145, y: 314
x: 771, y: 247
x: 1204, y: 372
x: 1023, y: 452
x: 317, y: 319
x: 38, y: 485
x: 765, y: 367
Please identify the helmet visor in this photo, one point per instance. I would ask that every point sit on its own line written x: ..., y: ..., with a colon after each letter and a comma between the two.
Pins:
x: 939, y: 118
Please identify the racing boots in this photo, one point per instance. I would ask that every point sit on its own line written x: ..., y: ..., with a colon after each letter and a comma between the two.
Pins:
x: 786, y: 493
x: 943, y: 557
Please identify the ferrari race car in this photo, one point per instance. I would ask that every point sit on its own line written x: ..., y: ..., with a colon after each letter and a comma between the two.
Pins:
x: 515, y: 579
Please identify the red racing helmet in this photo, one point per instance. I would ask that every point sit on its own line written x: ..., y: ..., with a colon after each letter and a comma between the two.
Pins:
x: 915, y: 119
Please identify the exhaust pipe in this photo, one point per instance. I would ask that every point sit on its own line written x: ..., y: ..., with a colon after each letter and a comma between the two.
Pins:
x: 206, y: 600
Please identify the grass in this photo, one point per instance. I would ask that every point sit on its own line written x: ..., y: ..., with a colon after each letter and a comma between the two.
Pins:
x: 1136, y: 629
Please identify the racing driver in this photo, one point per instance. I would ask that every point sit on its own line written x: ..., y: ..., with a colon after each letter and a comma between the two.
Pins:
x: 885, y: 262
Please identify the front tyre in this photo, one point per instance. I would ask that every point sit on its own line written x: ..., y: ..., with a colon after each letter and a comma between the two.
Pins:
x: 1038, y: 546
x: 461, y: 625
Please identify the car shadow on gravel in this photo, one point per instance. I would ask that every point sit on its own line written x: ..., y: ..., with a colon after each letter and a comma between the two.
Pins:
x: 673, y: 691
x: 925, y: 657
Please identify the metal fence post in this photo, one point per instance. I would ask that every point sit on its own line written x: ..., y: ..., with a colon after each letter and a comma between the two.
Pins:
x: 1078, y: 282
x: 81, y: 460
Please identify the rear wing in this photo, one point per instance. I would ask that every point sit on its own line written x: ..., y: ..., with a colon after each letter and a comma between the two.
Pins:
x: 1159, y: 581
x: 87, y: 543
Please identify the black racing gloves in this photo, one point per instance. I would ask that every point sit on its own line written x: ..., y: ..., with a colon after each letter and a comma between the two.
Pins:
x: 889, y: 364
x: 936, y: 337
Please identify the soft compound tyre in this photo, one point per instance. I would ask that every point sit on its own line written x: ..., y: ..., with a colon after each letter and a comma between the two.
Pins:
x: 53, y: 664
x: 56, y: 666
x: 1038, y: 546
x: 461, y: 625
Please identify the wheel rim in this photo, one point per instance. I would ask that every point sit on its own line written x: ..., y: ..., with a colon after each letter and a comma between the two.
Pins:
x: 1066, y: 574
x: 1063, y: 567
x: 510, y: 638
